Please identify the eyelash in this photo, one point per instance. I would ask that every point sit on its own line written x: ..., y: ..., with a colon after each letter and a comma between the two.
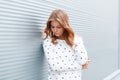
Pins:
x: 54, y: 27
x: 58, y: 27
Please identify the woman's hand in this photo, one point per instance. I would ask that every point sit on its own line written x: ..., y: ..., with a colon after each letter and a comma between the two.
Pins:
x: 86, y: 65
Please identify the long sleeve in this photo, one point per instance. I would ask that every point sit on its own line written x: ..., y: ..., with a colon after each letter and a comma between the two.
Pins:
x: 58, y: 57
x: 80, y: 51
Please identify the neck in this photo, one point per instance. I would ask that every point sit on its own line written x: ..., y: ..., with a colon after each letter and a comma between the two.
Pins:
x: 60, y: 37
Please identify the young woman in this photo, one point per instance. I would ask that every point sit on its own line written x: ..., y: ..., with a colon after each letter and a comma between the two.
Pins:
x: 65, y: 53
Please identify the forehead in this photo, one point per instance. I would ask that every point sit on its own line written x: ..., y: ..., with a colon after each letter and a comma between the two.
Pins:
x: 55, y: 23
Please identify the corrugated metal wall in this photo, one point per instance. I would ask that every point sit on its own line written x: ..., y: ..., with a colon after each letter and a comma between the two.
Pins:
x: 21, y: 56
x: 119, y: 37
x: 21, y: 22
x: 19, y: 40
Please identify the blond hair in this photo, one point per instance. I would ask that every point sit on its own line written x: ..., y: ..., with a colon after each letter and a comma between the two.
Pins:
x: 61, y: 17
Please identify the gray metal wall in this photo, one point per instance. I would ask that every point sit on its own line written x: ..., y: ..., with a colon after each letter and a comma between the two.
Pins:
x: 119, y: 36
x: 21, y: 22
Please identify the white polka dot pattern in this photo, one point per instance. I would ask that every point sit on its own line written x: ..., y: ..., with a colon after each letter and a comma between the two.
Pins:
x: 64, y: 63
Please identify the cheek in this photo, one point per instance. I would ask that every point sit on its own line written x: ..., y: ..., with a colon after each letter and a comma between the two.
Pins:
x: 61, y: 31
x: 52, y: 30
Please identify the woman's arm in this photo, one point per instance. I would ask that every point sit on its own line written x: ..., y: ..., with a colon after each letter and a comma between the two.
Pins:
x: 80, y: 51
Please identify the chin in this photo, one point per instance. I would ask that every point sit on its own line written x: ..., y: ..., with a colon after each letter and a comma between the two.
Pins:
x: 57, y: 35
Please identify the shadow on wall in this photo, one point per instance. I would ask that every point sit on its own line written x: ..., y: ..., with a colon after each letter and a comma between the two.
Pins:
x: 43, y: 65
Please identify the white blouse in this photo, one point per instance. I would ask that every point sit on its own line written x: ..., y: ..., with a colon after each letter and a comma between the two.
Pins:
x: 64, y: 62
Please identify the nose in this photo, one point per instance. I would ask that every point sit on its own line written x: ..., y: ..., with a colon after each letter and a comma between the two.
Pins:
x: 55, y: 29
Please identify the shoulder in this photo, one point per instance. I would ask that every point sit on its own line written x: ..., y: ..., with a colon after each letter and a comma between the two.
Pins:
x: 78, y: 39
x: 47, y: 40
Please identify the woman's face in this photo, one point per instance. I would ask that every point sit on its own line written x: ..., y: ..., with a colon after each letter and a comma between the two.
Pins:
x: 57, y: 29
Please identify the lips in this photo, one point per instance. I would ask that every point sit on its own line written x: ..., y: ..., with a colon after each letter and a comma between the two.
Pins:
x: 56, y: 34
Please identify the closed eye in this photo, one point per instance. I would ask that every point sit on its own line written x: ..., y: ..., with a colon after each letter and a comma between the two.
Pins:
x: 59, y: 27
x: 52, y: 27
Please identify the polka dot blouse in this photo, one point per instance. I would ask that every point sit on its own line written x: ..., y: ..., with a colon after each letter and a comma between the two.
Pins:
x: 64, y: 62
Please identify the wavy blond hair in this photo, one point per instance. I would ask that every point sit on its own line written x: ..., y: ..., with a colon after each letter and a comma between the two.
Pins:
x: 61, y: 17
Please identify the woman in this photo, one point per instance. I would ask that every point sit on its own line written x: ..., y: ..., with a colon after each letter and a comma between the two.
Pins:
x: 64, y: 51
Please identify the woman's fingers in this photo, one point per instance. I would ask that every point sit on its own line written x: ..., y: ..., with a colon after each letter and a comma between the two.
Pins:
x: 86, y: 65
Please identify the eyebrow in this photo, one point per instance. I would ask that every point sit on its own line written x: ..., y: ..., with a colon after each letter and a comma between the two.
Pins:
x: 57, y: 26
